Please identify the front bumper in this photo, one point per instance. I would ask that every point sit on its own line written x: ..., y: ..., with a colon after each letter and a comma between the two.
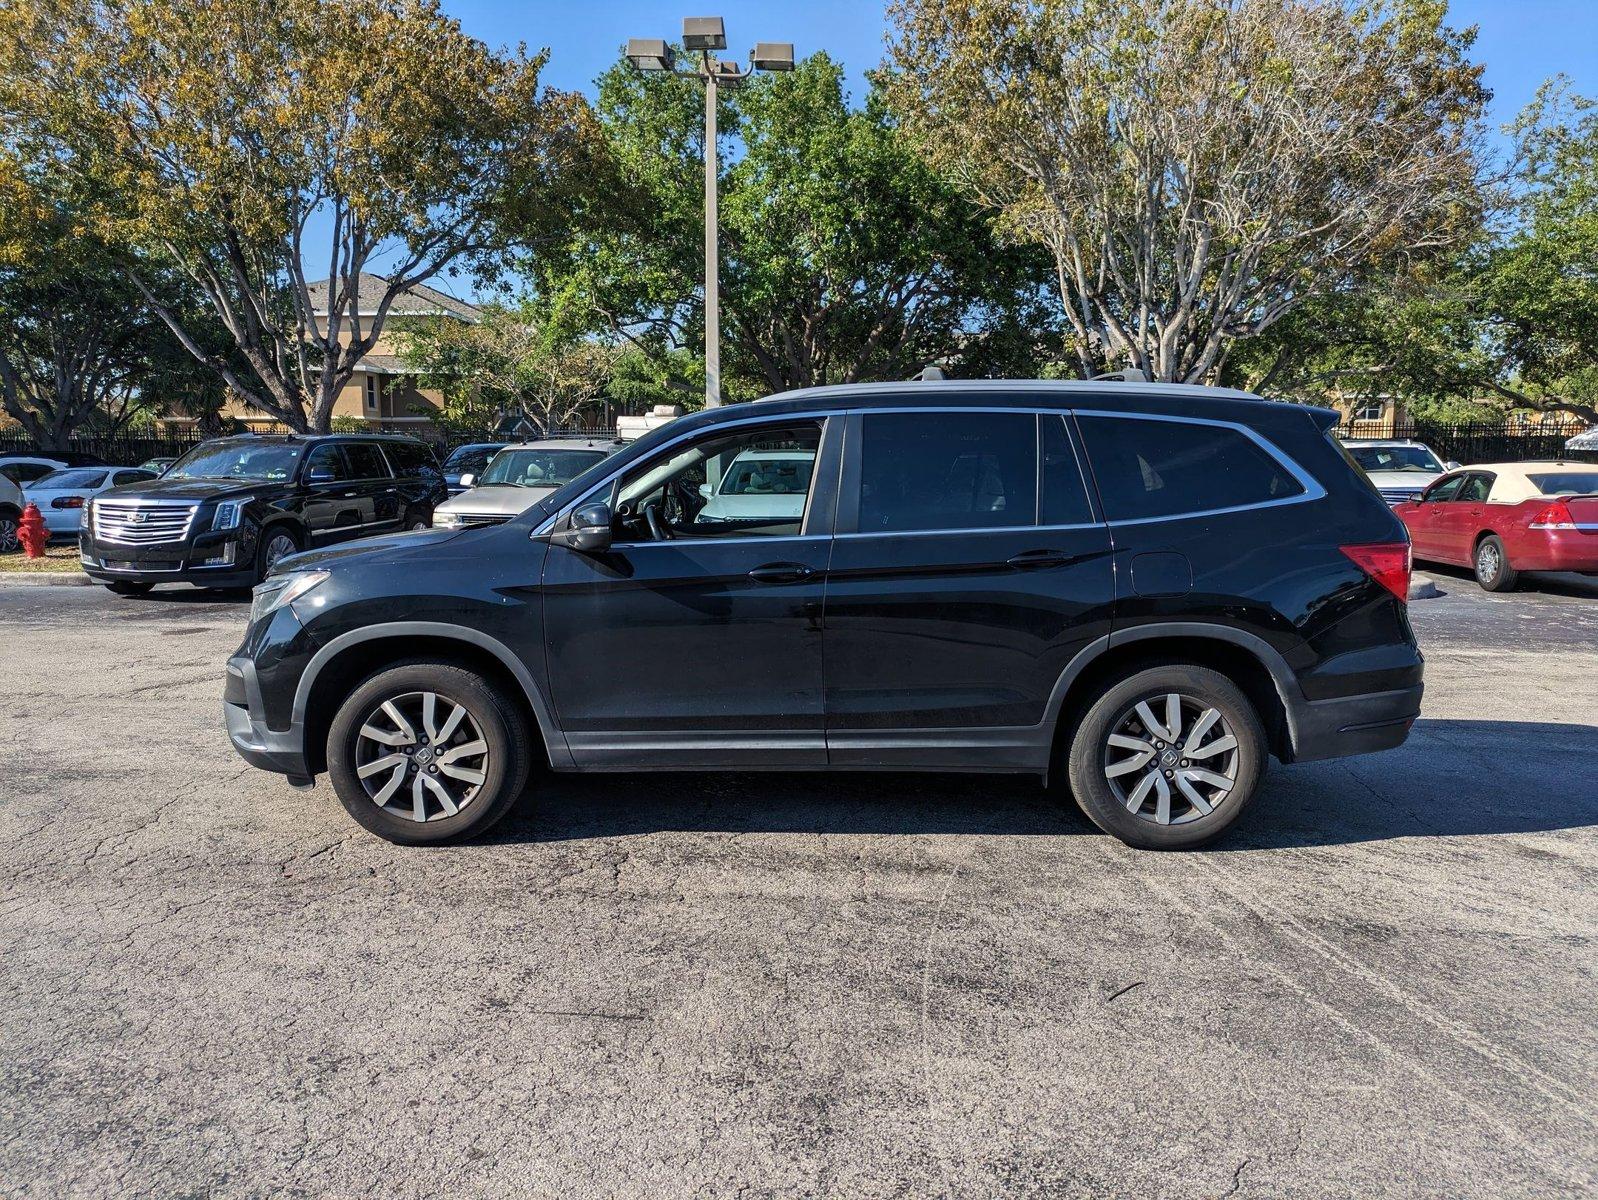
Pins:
x: 191, y: 562
x: 256, y: 743
x: 1349, y: 725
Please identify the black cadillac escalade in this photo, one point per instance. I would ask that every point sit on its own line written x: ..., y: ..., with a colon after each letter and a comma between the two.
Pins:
x: 230, y: 508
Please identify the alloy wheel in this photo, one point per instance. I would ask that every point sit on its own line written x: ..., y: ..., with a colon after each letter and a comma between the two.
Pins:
x: 421, y: 756
x: 281, y: 545
x: 1171, y: 759
x: 9, y: 541
x: 1488, y: 561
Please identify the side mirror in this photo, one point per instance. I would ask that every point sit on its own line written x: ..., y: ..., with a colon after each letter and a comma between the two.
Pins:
x: 321, y: 475
x: 467, y: 479
x: 590, y: 528
x: 1452, y: 465
x: 704, y: 490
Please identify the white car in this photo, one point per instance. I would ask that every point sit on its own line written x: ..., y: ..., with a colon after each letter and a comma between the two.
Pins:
x: 518, y: 477
x: 760, y: 485
x: 10, y: 514
x: 1400, y: 469
x: 60, y: 495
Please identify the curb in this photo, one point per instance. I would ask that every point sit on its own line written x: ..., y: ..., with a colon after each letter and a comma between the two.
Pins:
x: 44, y: 579
x: 1423, y: 587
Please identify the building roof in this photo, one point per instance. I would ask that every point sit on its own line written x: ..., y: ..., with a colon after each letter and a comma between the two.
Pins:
x: 418, y: 300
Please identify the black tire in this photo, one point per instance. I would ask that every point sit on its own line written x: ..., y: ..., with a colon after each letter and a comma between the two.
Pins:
x: 1114, y: 711
x: 266, y: 552
x: 1490, y: 563
x: 10, y: 538
x: 127, y: 587
x: 417, y: 518
x: 497, y: 717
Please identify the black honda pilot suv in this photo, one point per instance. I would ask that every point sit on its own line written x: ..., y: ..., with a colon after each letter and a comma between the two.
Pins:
x: 228, y: 509
x: 1141, y: 590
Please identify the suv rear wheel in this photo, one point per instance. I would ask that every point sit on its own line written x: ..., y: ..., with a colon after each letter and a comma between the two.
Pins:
x: 428, y: 752
x: 1167, y: 758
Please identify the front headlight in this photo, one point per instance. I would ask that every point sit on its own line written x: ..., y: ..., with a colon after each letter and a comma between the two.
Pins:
x: 229, y: 513
x: 447, y: 520
x: 272, y: 594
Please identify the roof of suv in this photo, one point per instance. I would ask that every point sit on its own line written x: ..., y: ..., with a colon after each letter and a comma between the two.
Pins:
x: 288, y: 438
x: 949, y: 391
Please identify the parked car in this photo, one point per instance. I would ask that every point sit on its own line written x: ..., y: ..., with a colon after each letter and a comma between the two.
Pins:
x: 1399, y: 469
x: 1144, y: 589
x: 1501, y: 519
x: 61, y: 495
x: 759, y: 485
x: 10, y: 514
x: 26, y: 467
x: 468, y: 460
x: 158, y: 465
x: 518, y: 476
x: 1583, y: 447
x: 231, y: 507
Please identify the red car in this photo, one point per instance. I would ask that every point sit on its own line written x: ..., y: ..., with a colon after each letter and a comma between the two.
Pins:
x: 1504, y: 518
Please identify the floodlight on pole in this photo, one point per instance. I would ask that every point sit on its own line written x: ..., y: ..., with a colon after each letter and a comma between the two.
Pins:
x: 701, y: 35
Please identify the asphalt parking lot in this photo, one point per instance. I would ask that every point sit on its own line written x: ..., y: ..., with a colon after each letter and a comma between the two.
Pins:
x: 1382, y: 984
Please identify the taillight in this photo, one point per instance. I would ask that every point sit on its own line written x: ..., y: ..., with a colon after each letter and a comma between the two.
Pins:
x: 1555, y: 516
x: 67, y: 502
x: 1385, y: 562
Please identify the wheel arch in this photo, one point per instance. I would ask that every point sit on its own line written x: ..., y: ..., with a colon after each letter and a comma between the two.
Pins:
x: 1244, y: 658
x: 339, y: 666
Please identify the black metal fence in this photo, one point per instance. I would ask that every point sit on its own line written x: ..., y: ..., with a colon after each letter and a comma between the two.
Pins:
x: 1497, y: 441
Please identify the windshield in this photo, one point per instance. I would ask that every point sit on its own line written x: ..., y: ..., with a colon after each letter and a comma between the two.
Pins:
x: 1566, y: 483
x: 469, y: 458
x: 78, y: 478
x: 1397, y: 458
x: 768, y: 477
x: 269, y: 461
x: 538, y: 468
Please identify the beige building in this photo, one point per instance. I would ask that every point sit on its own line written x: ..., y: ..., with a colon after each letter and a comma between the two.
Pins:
x: 383, y: 392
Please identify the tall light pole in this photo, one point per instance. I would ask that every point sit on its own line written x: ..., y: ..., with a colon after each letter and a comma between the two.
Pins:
x: 702, y: 35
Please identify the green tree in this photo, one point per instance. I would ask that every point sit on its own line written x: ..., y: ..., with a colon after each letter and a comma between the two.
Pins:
x: 845, y: 257
x: 1197, y: 169
x: 259, y: 147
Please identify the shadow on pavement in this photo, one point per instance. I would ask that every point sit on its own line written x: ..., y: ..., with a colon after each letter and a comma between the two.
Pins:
x: 1451, y: 779
x: 1582, y: 587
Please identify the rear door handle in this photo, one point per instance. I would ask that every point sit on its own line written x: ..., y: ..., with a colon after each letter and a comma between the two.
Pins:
x: 1034, y: 559
x: 351, y: 495
x: 784, y: 572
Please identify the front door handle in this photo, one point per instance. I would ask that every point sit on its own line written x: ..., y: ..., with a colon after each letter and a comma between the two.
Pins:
x: 351, y: 495
x: 782, y: 572
x: 1034, y: 559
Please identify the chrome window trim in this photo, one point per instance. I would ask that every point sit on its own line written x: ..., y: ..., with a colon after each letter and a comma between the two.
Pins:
x: 1312, y: 487
x: 679, y: 543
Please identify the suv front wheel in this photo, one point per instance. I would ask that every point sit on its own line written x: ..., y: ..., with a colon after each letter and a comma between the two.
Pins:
x: 428, y: 752
x: 1167, y: 758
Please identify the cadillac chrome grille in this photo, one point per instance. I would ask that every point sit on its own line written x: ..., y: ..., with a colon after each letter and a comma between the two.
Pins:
x: 142, y: 524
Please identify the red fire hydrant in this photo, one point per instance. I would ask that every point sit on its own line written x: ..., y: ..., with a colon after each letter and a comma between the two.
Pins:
x: 31, y: 531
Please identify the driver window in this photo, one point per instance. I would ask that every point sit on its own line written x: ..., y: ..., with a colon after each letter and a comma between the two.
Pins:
x: 328, y: 457
x: 1443, y: 489
x: 744, y: 483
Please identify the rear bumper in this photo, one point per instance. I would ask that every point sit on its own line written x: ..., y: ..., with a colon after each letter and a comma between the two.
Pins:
x: 256, y: 743
x: 1556, y: 550
x: 1349, y: 725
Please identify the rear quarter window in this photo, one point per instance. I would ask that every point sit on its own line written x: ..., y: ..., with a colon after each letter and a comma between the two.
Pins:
x: 1148, y: 467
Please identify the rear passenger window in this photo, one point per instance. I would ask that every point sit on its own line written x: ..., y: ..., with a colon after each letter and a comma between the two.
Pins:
x: 1065, y: 498
x: 1154, y: 468
x: 366, y: 461
x: 954, y: 470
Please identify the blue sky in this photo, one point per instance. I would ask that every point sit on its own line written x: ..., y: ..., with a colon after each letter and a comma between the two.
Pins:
x: 1522, y: 41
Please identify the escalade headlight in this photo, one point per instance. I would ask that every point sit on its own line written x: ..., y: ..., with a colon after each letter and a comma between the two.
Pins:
x: 274, y: 593
x: 229, y: 513
x: 447, y: 520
